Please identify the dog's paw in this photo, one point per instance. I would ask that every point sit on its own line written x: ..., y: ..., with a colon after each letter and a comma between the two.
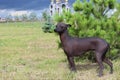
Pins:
x: 73, y: 70
x: 100, y: 75
x: 111, y: 72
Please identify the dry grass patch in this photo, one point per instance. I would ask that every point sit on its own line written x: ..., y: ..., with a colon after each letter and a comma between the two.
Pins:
x: 26, y: 53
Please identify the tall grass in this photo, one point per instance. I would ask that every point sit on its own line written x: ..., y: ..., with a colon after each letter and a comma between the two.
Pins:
x: 26, y: 53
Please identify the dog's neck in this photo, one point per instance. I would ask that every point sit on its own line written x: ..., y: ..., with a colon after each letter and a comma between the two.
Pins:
x: 64, y: 37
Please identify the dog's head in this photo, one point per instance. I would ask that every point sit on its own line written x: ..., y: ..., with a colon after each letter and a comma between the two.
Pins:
x: 61, y: 27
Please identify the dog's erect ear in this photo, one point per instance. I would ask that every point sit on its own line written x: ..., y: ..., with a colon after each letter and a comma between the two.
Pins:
x: 68, y: 25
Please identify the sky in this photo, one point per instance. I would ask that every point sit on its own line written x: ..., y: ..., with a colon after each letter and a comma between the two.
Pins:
x: 19, y: 7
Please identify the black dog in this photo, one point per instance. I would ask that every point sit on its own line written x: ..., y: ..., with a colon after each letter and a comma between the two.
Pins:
x: 74, y: 46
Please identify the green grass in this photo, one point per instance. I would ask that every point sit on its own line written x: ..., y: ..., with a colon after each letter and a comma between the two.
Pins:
x: 27, y: 53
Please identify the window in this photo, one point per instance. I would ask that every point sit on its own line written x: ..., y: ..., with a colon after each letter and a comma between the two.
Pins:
x: 51, y: 12
x: 51, y: 6
x: 63, y: 5
x: 58, y: 10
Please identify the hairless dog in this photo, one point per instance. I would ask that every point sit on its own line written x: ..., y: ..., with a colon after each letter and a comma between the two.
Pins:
x: 74, y: 46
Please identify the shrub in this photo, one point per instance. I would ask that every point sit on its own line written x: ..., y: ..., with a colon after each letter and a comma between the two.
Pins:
x: 90, y: 19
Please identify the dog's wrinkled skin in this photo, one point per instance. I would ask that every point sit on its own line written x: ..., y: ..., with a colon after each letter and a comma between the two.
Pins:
x: 74, y: 46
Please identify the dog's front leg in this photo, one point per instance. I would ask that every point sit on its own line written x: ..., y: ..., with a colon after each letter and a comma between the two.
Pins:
x: 71, y: 63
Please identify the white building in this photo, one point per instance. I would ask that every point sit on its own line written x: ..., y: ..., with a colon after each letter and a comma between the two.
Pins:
x: 2, y: 20
x: 56, y: 6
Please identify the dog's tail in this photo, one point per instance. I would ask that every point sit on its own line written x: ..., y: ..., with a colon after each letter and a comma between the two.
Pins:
x: 109, y: 49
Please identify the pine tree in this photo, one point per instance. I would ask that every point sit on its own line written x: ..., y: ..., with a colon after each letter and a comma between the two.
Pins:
x: 92, y: 18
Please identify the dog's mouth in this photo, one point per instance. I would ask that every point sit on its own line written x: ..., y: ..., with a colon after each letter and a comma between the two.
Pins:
x: 58, y: 31
x: 55, y: 30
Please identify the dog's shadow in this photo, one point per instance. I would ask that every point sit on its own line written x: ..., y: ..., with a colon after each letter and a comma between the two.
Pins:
x: 83, y: 67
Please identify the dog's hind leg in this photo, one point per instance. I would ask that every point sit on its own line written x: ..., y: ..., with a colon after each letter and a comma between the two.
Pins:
x: 107, y: 61
x: 99, y: 61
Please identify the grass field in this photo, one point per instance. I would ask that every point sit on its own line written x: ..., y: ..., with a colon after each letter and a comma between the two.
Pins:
x: 26, y: 53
